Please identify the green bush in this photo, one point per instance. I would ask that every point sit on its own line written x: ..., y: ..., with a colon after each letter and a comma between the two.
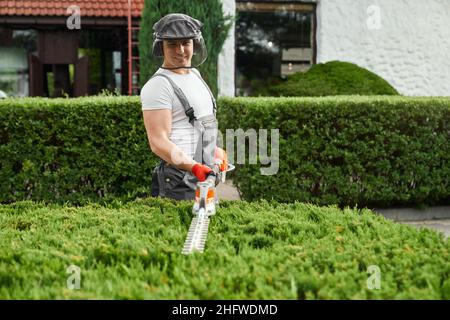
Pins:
x: 214, y: 31
x: 372, y: 151
x: 73, y: 149
x: 329, y: 79
x: 255, y: 250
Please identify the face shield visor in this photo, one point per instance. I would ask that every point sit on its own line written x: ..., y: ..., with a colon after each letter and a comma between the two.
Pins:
x: 178, y: 42
x: 180, y: 53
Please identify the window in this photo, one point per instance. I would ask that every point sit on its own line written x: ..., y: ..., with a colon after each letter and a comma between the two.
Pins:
x: 273, y: 40
x: 15, y: 46
x: 102, y: 47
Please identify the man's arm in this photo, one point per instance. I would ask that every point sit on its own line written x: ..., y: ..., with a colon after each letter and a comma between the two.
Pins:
x: 158, y: 124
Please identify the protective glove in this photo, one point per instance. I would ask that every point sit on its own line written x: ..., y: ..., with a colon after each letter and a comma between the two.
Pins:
x: 201, y: 171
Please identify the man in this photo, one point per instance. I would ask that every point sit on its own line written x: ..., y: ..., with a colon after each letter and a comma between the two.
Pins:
x: 179, y: 109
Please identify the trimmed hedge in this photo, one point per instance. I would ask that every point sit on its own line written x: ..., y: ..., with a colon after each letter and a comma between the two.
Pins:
x: 257, y: 250
x: 372, y: 151
x: 330, y: 79
x: 73, y: 150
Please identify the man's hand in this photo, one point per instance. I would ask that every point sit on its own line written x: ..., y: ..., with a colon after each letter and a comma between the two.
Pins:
x: 201, y: 171
x: 221, y: 159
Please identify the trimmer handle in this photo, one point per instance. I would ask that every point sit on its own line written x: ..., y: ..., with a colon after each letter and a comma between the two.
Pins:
x: 213, y: 177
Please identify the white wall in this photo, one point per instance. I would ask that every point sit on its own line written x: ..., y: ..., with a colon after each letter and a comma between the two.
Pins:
x: 411, y: 48
x: 226, y: 62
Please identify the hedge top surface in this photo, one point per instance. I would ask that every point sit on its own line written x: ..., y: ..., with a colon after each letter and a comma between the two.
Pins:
x: 256, y: 250
x: 270, y: 101
x: 42, y: 102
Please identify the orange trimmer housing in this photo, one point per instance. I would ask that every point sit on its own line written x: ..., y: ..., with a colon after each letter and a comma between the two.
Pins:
x: 210, y: 198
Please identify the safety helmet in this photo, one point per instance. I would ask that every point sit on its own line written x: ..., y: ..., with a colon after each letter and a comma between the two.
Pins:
x: 177, y: 26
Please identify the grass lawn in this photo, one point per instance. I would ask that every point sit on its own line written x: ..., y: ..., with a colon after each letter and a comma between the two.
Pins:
x: 257, y: 250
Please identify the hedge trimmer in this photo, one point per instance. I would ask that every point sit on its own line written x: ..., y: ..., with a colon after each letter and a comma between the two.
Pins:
x: 206, y: 200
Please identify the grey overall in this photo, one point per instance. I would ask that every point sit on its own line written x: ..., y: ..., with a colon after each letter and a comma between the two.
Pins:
x: 171, y: 182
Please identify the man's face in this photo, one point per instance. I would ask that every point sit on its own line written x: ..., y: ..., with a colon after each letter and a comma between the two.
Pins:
x: 178, y: 53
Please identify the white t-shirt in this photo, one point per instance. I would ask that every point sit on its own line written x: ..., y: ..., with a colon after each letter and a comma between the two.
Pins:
x: 158, y: 93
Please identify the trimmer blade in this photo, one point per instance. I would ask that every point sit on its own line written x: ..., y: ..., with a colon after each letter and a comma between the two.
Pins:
x: 197, y: 233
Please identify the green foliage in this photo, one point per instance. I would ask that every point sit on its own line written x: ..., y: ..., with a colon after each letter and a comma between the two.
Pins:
x: 261, y: 250
x: 376, y: 151
x: 73, y: 149
x: 109, y: 93
x: 370, y: 151
x: 329, y: 79
x: 215, y: 30
x: 94, y: 55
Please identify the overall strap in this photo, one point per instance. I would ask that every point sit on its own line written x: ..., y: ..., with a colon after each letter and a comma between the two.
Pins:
x: 188, y: 110
x: 160, y: 177
x: 210, y: 93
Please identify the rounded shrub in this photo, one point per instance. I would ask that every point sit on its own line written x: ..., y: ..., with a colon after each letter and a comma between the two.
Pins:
x: 330, y: 79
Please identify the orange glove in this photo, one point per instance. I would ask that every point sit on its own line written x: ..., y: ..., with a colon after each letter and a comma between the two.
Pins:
x: 220, y: 158
x: 201, y: 171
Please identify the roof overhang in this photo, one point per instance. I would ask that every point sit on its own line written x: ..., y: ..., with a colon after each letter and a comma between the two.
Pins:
x: 45, y: 21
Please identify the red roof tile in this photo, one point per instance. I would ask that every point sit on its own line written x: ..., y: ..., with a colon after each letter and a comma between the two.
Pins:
x: 100, y: 8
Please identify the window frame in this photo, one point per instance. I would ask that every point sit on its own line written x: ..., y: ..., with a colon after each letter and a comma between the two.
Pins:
x: 270, y: 6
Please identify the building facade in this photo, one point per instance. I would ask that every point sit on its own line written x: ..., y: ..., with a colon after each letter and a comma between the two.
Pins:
x: 407, y: 42
x: 56, y: 48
